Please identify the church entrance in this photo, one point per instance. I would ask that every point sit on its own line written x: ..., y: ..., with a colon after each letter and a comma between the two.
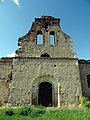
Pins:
x: 45, y: 94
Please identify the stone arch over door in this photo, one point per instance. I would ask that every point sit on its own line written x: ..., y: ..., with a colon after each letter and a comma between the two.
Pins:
x: 35, y: 89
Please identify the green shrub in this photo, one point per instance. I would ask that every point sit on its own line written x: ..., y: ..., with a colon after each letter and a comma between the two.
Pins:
x: 32, y: 111
x: 25, y: 111
x: 9, y: 112
x: 85, y: 102
x: 37, y: 112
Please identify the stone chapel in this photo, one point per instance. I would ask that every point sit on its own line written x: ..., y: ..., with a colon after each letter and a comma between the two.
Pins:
x: 45, y: 70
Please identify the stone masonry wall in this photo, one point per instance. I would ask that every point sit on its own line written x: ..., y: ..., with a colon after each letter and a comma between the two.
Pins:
x: 84, y: 66
x: 5, y: 76
x: 26, y: 71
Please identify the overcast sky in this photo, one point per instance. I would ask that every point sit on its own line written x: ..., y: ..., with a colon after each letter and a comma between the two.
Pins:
x: 16, y: 17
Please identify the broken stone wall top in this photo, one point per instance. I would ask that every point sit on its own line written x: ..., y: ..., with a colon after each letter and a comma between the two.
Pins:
x: 6, y: 60
x: 46, y: 27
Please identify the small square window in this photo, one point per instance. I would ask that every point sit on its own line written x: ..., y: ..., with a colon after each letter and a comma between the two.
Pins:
x: 54, y: 65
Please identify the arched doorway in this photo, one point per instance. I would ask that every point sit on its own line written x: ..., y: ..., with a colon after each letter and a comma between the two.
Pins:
x: 45, y: 94
x: 50, y: 80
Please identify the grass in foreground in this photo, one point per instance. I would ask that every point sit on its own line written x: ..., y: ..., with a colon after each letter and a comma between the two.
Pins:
x: 41, y: 113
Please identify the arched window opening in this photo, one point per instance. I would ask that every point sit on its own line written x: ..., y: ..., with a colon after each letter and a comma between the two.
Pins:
x: 88, y: 80
x: 46, y: 25
x: 52, y: 38
x: 39, y: 38
x: 45, y: 55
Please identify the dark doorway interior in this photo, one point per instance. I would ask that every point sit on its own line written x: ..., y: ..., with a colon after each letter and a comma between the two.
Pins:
x: 45, y: 94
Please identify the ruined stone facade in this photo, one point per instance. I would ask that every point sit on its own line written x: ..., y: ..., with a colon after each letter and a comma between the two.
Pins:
x: 45, y: 70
